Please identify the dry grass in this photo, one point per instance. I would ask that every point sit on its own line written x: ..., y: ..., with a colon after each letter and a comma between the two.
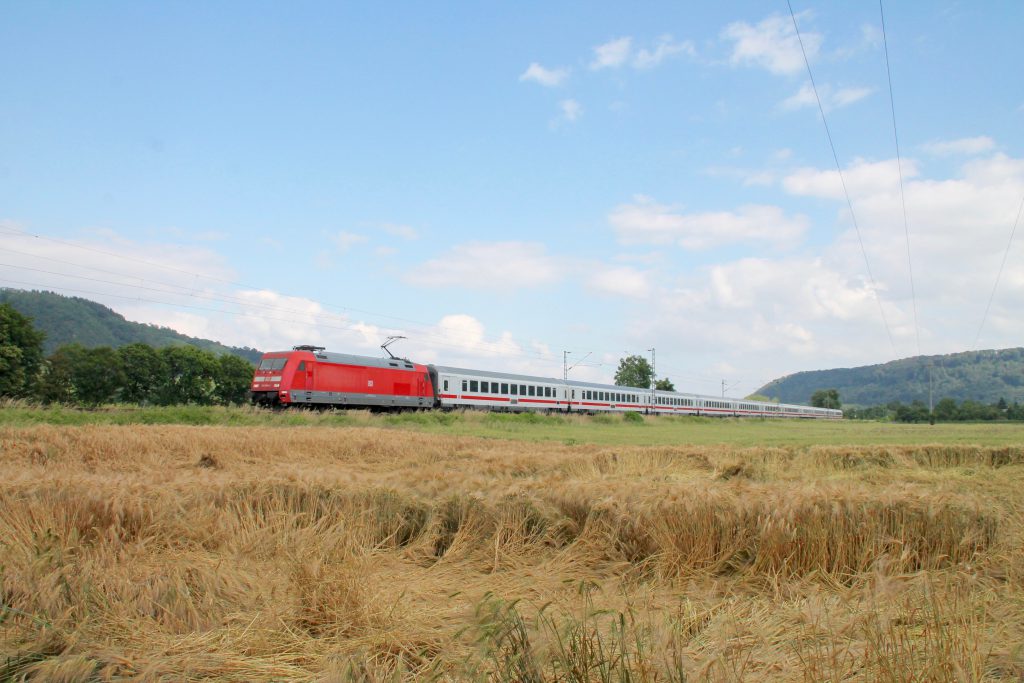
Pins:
x: 363, y: 554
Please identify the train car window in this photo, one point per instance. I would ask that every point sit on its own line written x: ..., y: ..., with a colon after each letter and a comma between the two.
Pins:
x: 494, y: 387
x: 573, y: 393
x: 464, y: 386
x: 504, y: 387
x: 474, y: 386
x: 446, y: 385
x: 547, y: 391
x: 483, y: 388
x: 515, y: 389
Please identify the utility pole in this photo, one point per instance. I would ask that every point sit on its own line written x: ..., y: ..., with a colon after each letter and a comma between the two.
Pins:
x: 723, y: 388
x: 654, y: 372
x: 930, y: 406
x: 565, y: 364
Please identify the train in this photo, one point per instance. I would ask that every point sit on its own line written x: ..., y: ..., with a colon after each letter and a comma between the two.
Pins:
x: 312, y: 377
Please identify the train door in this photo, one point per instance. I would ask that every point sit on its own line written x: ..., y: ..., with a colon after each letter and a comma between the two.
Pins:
x: 299, y: 378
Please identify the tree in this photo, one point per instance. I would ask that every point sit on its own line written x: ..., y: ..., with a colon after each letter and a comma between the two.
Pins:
x: 945, y: 410
x: 190, y: 376
x: 634, y: 371
x: 97, y: 375
x: 826, y: 398
x: 75, y: 374
x: 145, y: 372
x: 55, y: 384
x: 21, y: 353
x: 664, y: 385
x: 233, y: 376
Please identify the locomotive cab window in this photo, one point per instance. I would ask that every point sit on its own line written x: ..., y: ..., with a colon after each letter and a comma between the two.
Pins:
x: 302, y: 366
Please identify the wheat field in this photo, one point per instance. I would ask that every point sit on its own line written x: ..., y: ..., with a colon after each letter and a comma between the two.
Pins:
x: 316, y: 553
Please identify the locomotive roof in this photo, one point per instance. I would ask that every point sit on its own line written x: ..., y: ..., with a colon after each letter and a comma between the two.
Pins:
x: 352, y: 359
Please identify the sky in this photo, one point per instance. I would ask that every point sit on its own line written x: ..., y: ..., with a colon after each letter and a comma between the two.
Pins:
x: 504, y: 182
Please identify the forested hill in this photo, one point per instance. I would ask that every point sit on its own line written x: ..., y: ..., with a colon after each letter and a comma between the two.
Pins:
x: 984, y: 376
x: 67, y: 319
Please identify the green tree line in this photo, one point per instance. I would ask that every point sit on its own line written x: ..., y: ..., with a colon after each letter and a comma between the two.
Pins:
x: 946, y: 410
x: 135, y: 373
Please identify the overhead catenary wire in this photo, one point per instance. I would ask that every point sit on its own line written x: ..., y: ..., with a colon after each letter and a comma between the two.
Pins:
x: 244, y: 314
x: 999, y: 274
x: 842, y: 179
x: 483, y: 345
x: 899, y: 168
x: 181, y: 290
x: 197, y: 276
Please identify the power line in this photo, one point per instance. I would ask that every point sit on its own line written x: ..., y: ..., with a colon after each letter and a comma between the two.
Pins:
x: 842, y: 180
x: 484, y: 345
x: 899, y: 166
x: 999, y: 274
x: 341, y: 325
x: 196, y: 276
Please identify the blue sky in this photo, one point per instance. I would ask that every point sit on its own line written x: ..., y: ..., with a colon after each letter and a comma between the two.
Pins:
x: 502, y: 182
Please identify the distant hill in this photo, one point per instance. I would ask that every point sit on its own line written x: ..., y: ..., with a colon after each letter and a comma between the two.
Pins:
x: 70, y: 319
x: 984, y: 376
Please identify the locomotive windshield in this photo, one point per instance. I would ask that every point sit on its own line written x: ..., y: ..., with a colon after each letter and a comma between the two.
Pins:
x: 272, y: 363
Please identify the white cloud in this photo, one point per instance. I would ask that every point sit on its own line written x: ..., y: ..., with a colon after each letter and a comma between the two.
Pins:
x: 749, y: 177
x: 646, y: 222
x: 961, y: 146
x: 549, y: 78
x: 772, y: 44
x: 612, y: 54
x: 620, y: 281
x: 571, y: 110
x: 664, y: 48
x: 862, y: 178
x: 619, y: 52
x: 345, y: 240
x: 489, y: 265
x: 830, y: 99
x: 406, y: 232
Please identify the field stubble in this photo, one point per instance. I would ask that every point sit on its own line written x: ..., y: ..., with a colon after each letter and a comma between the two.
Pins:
x: 364, y: 554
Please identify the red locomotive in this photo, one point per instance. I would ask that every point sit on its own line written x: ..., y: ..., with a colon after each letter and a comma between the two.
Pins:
x: 308, y: 375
